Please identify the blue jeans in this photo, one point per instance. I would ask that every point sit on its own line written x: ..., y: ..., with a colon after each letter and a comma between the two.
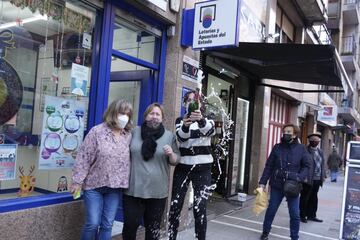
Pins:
x: 276, y: 196
x: 101, y: 205
x: 333, y: 174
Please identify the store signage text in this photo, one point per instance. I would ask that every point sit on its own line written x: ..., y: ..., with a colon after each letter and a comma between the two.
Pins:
x: 216, y: 24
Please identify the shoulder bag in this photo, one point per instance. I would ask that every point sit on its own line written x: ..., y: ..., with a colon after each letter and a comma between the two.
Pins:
x: 291, y: 188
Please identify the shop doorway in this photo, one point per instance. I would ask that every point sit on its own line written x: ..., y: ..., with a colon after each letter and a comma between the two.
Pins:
x: 132, y: 86
x: 220, y: 92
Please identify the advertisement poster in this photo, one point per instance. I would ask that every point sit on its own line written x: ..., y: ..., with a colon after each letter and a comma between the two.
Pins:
x: 350, y: 217
x: 328, y: 115
x: 62, y: 132
x: 183, y: 92
x: 7, y: 161
x: 190, y: 69
x: 79, y: 78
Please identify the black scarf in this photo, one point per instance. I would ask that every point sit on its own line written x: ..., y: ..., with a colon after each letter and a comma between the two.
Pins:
x: 149, y: 136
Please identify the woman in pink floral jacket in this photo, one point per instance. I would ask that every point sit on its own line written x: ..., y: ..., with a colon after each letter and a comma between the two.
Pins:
x: 102, y: 169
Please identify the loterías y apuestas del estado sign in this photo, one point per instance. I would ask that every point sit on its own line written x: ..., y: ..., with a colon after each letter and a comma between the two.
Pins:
x: 216, y: 24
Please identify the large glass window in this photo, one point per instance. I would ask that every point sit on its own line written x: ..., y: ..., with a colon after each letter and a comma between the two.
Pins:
x: 45, y: 72
x: 136, y: 38
x: 135, y: 62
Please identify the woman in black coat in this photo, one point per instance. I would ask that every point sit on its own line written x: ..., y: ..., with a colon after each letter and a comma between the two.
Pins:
x: 288, y: 160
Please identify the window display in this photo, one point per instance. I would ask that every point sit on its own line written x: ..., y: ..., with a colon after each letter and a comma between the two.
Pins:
x: 45, y: 72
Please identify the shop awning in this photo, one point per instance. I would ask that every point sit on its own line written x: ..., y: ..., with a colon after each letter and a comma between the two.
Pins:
x: 305, y: 63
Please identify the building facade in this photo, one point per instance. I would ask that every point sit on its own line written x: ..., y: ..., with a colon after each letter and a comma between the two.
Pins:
x: 66, y: 60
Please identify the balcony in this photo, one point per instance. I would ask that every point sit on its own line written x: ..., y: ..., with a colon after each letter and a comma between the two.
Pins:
x: 348, y: 52
x: 349, y: 115
x: 348, y: 112
x: 334, y: 11
x: 351, y: 12
x: 313, y: 11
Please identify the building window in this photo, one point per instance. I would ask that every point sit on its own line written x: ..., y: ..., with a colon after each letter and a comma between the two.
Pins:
x: 46, y: 61
x: 284, y: 27
x: 279, y: 116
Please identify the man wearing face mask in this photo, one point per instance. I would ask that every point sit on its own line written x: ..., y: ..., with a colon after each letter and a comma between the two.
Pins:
x: 314, y: 180
x: 288, y: 160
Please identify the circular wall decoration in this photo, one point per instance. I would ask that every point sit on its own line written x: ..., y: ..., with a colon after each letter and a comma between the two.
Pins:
x: 12, y: 96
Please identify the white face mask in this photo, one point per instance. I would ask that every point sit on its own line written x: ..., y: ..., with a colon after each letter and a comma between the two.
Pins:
x: 122, y: 120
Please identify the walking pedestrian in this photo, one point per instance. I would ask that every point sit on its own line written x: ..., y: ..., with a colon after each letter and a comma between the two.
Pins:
x: 314, y: 180
x: 153, y: 149
x: 102, y: 168
x: 288, y: 160
x: 194, y: 133
x: 334, y: 163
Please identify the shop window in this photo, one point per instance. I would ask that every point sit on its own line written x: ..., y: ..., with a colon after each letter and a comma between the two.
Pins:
x: 136, y: 38
x: 135, y: 62
x: 45, y: 72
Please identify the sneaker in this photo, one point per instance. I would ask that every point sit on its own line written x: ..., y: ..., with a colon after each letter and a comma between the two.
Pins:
x: 264, y: 236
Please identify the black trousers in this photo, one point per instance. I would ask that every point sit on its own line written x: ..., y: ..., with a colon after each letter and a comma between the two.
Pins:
x: 150, y: 210
x: 200, y: 176
x: 309, y: 199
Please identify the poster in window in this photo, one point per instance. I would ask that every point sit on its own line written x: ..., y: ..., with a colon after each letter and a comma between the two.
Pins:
x: 7, y: 161
x: 79, y: 78
x: 62, y: 132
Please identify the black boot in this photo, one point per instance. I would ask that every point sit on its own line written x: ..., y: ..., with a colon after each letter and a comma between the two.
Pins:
x: 264, y: 236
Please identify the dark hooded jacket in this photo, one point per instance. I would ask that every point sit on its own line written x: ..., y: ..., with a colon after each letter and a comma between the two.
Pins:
x: 286, y: 161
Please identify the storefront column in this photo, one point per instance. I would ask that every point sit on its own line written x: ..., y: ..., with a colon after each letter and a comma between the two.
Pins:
x: 259, y: 135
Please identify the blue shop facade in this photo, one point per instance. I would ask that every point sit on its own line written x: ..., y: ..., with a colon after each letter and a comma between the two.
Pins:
x: 61, y: 63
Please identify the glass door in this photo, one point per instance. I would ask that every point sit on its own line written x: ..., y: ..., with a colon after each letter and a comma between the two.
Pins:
x: 131, y: 86
x: 134, y: 63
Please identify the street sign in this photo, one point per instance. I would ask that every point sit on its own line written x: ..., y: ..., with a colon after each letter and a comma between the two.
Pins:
x: 350, y: 214
x: 216, y: 24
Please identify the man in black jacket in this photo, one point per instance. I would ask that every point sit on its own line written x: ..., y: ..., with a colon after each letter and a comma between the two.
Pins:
x: 314, y: 180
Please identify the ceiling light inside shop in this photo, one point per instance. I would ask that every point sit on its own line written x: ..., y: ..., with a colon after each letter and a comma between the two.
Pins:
x: 23, y: 21
x: 222, y: 70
